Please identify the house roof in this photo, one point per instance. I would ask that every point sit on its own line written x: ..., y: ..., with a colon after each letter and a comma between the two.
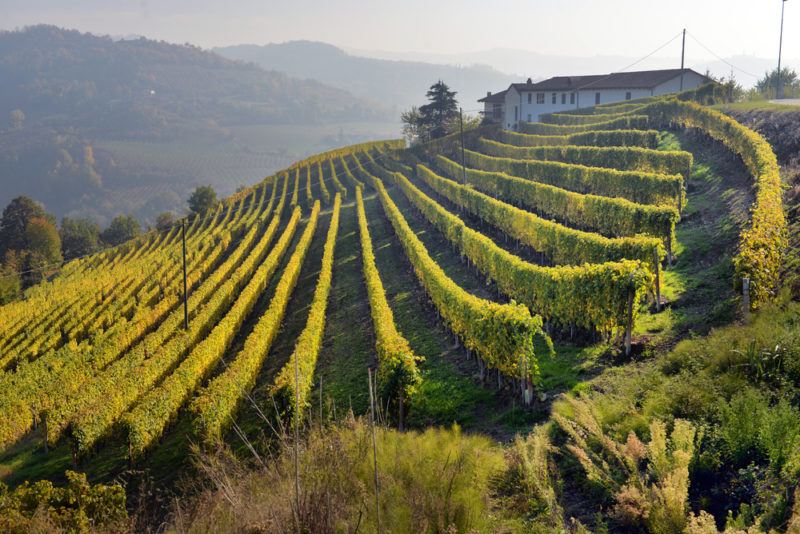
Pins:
x: 498, y: 97
x: 643, y: 79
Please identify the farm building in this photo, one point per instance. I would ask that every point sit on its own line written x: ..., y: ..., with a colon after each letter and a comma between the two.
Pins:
x: 528, y: 101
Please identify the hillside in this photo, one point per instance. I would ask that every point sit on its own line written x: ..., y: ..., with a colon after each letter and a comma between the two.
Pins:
x: 106, y: 126
x: 395, y: 83
x: 572, y: 299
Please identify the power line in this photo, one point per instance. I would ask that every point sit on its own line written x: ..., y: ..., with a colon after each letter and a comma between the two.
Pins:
x: 635, y: 62
x: 720, y: 58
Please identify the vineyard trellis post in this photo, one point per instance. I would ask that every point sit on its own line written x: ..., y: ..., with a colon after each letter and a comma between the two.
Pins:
x: 629, y: 320
x: 185, y: 302
x: 463, y: 158
x: 374, y: 452
x: 746, y: 298
x: 657, y: 268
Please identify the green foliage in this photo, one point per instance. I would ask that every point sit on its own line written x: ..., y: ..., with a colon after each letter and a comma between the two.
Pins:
x: 434, y: 482
x: 10, y: 284
x: 76, y: 507
x: 620, y: 158
x: 636, y: 186
x: 762, y: 243
x: 202, y: 199
x: 789, y: 81
x: 648, y: 482
x: 123, y: 228
x: 164, y: 221
x: 43, y: 252
x: 434, y: 119
x: 79, y: 237
x: 14, y: 223
x: 606, y: 215
x: 627, y: 122
x: 751, y: 428
x: 632, y: 138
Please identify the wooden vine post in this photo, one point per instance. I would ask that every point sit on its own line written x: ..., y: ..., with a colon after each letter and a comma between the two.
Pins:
x: 657, y: 269
x: 629, y: 321
x: 746, y: 298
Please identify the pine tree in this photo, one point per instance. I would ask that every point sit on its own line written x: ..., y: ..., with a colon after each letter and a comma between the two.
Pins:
x: 440, y: 112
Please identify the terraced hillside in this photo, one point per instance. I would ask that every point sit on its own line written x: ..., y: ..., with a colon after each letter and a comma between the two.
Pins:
x: 477, y: 283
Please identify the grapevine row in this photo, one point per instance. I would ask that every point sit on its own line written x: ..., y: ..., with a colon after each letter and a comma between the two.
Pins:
x: 607, y: 215
x: 636, y: 186
x: 295, y: 389
x: 620, y: 158
x: 217, y: 403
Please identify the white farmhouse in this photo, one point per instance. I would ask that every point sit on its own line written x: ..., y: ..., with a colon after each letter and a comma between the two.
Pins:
x: 527, y: 101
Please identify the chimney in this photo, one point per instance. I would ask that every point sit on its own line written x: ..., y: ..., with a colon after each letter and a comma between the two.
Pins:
x: 488, y: 93
x: 530, y: 81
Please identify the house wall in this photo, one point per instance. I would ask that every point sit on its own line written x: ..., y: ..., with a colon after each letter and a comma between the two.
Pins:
x: 583, y: 99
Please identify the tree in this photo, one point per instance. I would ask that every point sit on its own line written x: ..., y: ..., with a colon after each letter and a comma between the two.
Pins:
x: 121, y: 229
x: 203, y: 198
x: 790, y: 83
x: 10, y: 285
x: 164, y: 221
x: 17, y: 119
x: 14, y: 223
x: 43, y: 251
x: 439, y: 112
x: 413, y: 129
x: 79, y: 237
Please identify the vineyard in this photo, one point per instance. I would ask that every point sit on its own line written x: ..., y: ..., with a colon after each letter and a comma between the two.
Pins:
x: 476, y: 283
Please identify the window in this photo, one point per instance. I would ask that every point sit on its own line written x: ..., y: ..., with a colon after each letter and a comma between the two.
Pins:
x: 529, y: 117
x: 554, y: 98
x: 596, y: 98
x: 529, y: 97
x: 516, y: 113
x: 628, y: 95
x: 540, y: 98
x: 563, y: 98
x: 572, y: 98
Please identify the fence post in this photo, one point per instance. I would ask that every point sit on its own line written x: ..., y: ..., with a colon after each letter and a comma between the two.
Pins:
x: 629, y: 324
x: 657, y: 267
x: 746, y: 299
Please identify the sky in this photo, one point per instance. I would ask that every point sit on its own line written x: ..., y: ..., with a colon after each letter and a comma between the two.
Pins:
x: 558, y: 27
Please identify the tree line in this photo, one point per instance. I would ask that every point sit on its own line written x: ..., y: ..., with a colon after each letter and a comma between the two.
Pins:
x: 33, y: 246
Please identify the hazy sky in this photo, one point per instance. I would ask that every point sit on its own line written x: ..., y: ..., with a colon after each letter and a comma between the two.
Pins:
x: 575, y: 27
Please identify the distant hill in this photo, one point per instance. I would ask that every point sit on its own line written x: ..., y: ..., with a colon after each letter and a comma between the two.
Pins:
x: 396, y: 83
x: 108, y: 125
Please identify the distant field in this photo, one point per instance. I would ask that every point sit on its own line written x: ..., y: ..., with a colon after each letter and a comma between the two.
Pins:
x: 151, y: 177
x: 300, y: 141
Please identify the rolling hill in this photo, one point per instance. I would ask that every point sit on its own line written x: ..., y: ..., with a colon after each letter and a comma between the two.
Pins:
x: 108, y: 125
x: 399, y: 84
x: 571, y: 292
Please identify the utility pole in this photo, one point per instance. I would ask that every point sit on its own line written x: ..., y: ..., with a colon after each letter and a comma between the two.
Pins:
x: 185, y: 303
x: 778, y: 88
x: 463, y: 159
x: 683, y: 55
